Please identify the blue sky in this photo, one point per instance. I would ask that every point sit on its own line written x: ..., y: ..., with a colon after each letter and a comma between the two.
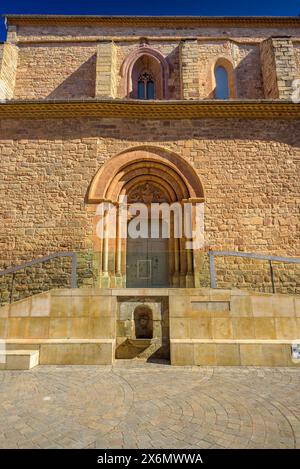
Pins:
x: 152, y: 7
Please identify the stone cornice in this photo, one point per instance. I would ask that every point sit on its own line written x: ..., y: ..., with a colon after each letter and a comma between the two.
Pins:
x: 166, y: 21
x: 135, y: 109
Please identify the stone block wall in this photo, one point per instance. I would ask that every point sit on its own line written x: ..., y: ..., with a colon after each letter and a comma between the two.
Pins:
x: 69, y: 57
x: 56, y: 71
x: 222, y: 327
x: 278, y: 67
x: 205, y: 327
x: 66, y: 326
x: 190, y: 67
x: 248, y: 169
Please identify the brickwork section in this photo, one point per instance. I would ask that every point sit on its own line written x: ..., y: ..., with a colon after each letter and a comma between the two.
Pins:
x: 56, y: 72
x: 248, y: 169
x: 72, y: 66
x: 190, y: 65
x: 8, y: 67
x: 297, y: 58
x: 278, y: 67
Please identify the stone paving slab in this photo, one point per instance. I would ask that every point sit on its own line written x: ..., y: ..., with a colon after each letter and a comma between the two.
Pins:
x: 145, y: 405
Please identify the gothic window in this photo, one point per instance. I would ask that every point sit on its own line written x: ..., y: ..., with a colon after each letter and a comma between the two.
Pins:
x: 146, y: 86
x: 222, y: 87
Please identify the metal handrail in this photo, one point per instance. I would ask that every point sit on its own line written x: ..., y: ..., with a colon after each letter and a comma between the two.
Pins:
x: 248, y: 255
x: 13, y: 270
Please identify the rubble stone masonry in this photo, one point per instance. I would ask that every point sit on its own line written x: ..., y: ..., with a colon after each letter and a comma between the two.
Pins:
x: 249, y: 168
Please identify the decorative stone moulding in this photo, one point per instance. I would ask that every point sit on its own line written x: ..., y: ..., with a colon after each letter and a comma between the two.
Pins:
x: 179, y: 109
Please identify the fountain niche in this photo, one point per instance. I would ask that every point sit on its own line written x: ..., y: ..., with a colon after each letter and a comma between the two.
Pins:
x: 143, y: 322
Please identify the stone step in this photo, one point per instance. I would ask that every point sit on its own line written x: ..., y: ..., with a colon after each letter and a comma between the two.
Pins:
x: 18, y: 359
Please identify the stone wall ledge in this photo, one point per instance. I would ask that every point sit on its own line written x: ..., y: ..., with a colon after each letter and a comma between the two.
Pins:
x: 139, y: 109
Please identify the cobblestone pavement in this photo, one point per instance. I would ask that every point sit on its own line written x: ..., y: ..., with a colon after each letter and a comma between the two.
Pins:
x: 144, y: 405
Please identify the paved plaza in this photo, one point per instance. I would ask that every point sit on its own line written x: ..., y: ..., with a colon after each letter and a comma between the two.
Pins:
x: 147, y: 405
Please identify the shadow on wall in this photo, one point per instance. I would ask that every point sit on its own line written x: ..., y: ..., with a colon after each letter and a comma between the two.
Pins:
x: 80, y: 84
x: 248, y: 77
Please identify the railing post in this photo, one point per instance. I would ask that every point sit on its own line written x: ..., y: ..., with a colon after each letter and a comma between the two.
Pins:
x: 74, y: 271
x: 272, y: 276
x: 12, y: 287
x: 212, y: 269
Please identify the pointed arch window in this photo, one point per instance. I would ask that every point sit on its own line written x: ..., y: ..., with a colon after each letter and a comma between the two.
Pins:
x: 222, y: 86
x: 146, y: 87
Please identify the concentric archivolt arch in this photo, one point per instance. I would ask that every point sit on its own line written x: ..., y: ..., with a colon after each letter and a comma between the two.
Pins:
x: 164, y: 169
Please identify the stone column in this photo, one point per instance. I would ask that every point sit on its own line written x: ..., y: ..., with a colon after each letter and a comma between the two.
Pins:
x: 176, y: 279
x: 278, y: 67
x: 118, y: 259
x: 189, y: 252
x: 106, y: 70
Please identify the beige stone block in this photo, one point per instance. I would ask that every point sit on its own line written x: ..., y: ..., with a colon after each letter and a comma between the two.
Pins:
x: 182, y: 354
x: 60, y: 354
x: 38, y: 328
x: 262, y: 306
x: 59, y: 328
x: 179, y: 306
x: 76, y: 354
x: 205, y: 354
x: 17, y: 328
x: 80, y: 306
x: 157, y: 329
x: 251, y: 355
x: 79, y: 328
x: 179, y: 328
x: 227, y: 354
x: 200, y: 298
x: 20, y: 308
x: 121, y: 329
x: 222, y: 328
x: 100, y: 306
x: 274, y: 355
x: 286, y: 328
x: 243, y: 328
x: 3, y: 328
x: 211, y: 308
x: 298, y: 327
x: 61, y: 306
x: 297, y: 307
x: 264, y: 328
x: 97, y: 354
x: 240, y: 306
x: 19, y: 360
x: 40, y: 305
x: 102, y: 328
x: 220, y: 295
x: 283, y: 306
x: 200, y: 328
x: 4, y: 311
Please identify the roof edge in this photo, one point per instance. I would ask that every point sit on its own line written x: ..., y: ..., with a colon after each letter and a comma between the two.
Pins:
x: 47, y: 19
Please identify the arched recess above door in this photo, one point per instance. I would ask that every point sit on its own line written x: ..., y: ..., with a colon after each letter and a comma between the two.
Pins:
x: 145, y: 163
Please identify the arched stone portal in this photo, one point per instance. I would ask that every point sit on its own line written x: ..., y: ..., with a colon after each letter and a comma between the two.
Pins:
x: 145, y: 175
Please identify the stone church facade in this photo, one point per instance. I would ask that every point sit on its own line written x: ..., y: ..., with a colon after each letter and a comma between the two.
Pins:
x: 182, y: 109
